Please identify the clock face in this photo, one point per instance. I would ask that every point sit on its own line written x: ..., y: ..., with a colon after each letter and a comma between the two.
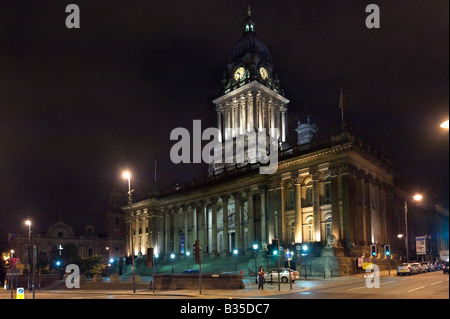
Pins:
x: 239, y: 74
x: 264, y: 73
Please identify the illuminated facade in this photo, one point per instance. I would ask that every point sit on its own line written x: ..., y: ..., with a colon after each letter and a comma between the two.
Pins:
x: 331, y: 193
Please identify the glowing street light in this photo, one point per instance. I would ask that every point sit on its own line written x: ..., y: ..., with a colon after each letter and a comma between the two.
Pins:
x: 127, y: 175
x: 417, y: 197
x: 444, y: 124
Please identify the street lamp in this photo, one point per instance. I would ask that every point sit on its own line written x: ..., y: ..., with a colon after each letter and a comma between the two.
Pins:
x: 417, y: 198
x: 235, y: 253
x: 305, y: 253
x: 444, y: 124
x: 187, y: 258
x: 28, y: 223
x: 255, y: 250
x: 127, y: 175
x: 172, y: 257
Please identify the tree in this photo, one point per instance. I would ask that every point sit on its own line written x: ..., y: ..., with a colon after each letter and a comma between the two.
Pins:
x: 92, y: 265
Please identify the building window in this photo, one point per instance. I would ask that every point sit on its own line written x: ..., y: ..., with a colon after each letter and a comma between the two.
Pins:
x: 328, y: 227
x: 90, y: 252
x: 117, y: 222
x: 308, y: 198
x: 327, y: 195
x: 309, y: 230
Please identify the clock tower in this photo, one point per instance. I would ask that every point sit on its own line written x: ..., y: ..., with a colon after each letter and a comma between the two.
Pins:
x: 250, y: 99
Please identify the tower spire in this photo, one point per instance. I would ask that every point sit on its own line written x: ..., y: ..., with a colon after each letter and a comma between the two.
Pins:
x: 249, y: 12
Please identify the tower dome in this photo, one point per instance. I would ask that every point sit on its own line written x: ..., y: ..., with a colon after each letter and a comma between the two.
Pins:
x: 249, y: 60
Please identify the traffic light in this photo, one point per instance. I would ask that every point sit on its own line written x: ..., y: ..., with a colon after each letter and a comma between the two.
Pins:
x: 198, y: 252
x: 387, y: 251
x: 373, y: 250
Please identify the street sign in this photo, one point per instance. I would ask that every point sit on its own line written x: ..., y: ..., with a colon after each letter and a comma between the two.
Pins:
x: 20, y: 294
x: 13, y: 262
x: 421, y: 245
x: 367, y: 265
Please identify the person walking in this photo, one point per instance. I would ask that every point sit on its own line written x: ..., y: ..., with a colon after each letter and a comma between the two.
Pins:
x: 261, y: 278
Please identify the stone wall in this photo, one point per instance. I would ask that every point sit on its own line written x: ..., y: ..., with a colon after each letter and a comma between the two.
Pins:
x: 191, y: 281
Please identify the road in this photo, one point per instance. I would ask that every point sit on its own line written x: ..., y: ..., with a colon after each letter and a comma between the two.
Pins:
x: 433, y: 285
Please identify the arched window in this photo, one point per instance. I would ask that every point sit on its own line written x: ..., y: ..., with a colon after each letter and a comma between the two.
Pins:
x: 309, y: 230
x: 327, y: 192
x: 328, y: 230
x: 309, y: 196
x: 90, y: 252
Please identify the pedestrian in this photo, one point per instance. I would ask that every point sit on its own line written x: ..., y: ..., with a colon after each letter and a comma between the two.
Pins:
x: 261, y: 278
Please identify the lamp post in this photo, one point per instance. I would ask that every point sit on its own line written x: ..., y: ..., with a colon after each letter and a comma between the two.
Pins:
x: 235, y: 253
x: 417, y: 198
x: 444, y: 124
x: 28, y: 223
x: 255, y: 250
x: 172, y: 257
x: 127, y: 175
x: 187, y: 259
x: 305, y: 253
x: 288, y: 256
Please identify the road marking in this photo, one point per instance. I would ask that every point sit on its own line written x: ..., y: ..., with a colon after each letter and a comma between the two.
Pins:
x: 357, y: 288
x: 435, y: 283
x: 416, y: 289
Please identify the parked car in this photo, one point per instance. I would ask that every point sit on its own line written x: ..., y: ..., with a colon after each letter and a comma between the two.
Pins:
x: 434, y: 265
x: 406, y: 269
x: 272, y: 275
x: 419, y: 267
x: 426, y: 266
x: 445, y: 268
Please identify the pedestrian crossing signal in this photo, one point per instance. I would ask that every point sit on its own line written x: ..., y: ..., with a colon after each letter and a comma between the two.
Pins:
x: 387, y: 251
x: 374, y: 250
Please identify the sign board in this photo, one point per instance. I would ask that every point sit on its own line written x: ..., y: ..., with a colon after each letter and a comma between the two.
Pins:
x: 421, y: 245
x: 20, y: 294
x: 12, y: 262
x: 367, y: 265
x: 443, y: 255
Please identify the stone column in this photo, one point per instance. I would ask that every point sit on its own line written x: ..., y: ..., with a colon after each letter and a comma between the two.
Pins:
x: 187, y: 242
x: 225, y: 240
x: 250, y: 221
x: 262, y: 191
x: 298, y: 210
x: 237, y: 221
x: 213, y: 248
x: 314, y: 172
x: 144, y: 241
x: 203, y: 226
x: 167, y: 237
x: 347, y: 229
x: 162, y: 233
x: 176, y: 231
x: 283, y: 124
x: 334, y: 196
x: 219, y: 123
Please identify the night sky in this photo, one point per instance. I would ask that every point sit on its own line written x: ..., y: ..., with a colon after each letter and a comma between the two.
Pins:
x: 77, y: 106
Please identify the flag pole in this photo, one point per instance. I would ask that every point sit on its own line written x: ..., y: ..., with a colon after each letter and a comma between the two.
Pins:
x: 341, y: 106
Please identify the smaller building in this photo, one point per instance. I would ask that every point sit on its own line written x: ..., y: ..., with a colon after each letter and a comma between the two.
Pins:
x: 108, y: 245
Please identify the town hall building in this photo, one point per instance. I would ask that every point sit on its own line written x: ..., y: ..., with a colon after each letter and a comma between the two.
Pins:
x: 332, y: 194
